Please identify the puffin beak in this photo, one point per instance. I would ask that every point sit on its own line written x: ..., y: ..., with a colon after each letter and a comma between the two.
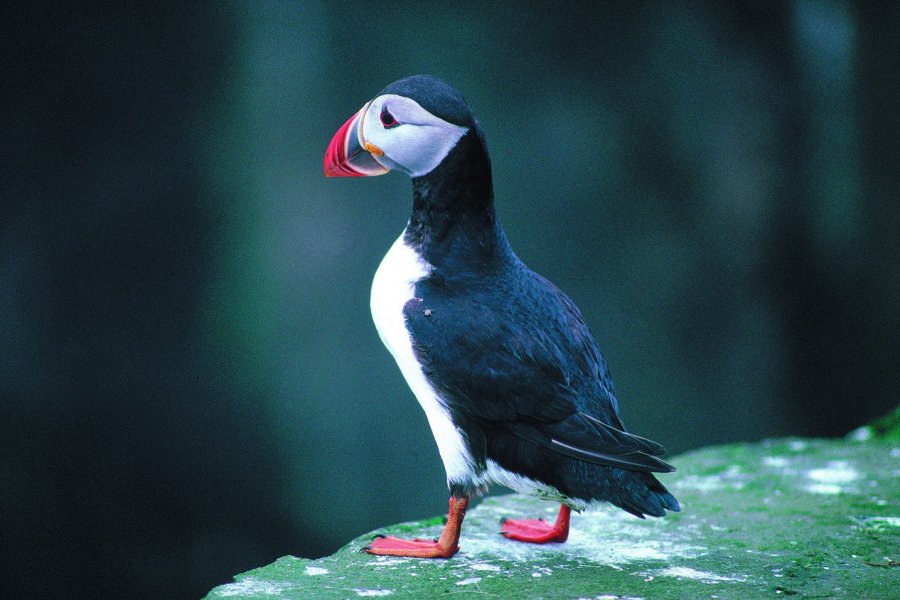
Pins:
x: 348, y: 155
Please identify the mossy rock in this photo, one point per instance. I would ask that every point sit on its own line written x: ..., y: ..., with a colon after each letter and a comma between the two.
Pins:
x: 887, y: 427
x: 792, y: 517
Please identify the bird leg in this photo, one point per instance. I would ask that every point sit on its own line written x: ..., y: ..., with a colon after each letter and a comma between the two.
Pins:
x: 444, y: 547
x: 537, y: 531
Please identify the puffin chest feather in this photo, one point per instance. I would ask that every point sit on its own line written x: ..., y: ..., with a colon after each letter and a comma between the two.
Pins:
x: 394, y: 285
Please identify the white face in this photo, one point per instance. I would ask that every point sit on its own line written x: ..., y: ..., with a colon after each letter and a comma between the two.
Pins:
x: 412, y: 139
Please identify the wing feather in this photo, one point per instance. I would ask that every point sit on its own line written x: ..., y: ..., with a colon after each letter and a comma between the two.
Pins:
x: 522, y: 360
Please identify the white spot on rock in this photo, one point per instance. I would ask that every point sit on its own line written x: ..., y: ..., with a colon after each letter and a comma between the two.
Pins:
x: 484, y: 567
x: 364, y: 592
x: 861, y: 434
x: 250, y: 587
x: 642, y: 553
x: 468, y: 581
x: 826, y: 489
x: 779, y: 462
x: 689, y: 573
x: 837, y: 471
x: 388, y: 561
x: 882, y: 522
x: 731, y: 478
x: 316, y: 571
x: 830, y: 479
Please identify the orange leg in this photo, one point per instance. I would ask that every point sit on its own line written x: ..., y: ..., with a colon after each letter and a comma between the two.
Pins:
x: 444, y: 547
x: 537, y: 531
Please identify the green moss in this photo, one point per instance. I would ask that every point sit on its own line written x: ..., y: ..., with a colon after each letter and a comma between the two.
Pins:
x: 806, y: 518
x: 888, y: 426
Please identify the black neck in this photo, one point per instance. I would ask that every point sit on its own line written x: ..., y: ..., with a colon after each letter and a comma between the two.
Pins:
x: 453, y: 218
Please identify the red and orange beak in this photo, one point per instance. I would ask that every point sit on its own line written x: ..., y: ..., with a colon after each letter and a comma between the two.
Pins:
x: 348, y: 155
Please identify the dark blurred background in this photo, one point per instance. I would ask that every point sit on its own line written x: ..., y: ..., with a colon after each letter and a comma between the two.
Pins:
x: 190, y: 382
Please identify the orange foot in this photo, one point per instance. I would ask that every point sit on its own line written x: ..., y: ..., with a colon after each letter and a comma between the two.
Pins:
x: 537, y: 531
x: 392, y: 546
x: 444, y: 547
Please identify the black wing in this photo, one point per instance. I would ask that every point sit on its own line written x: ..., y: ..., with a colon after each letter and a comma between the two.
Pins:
x: 517, y: 356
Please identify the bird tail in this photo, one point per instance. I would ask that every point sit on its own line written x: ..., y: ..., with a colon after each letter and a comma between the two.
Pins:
x: 645, y: 495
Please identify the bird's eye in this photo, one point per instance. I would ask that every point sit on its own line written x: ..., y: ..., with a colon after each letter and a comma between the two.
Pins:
x: 387, y: 119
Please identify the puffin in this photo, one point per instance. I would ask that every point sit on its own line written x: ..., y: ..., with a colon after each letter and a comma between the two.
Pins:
x: 512, y: 382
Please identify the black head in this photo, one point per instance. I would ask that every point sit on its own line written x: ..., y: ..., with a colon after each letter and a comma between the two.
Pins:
x: 436, y: 96
x: 422, y: 126
x: 411, y: 126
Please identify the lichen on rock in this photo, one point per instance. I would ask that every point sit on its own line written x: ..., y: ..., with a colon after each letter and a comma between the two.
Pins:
x: 793, y: 516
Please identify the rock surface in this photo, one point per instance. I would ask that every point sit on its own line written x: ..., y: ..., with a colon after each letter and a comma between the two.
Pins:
x: 792, y: 517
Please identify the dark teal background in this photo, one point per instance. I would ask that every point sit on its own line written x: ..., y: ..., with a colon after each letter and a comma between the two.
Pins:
x: 190, y: 382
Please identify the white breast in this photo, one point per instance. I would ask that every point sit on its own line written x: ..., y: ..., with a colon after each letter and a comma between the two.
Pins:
x: 392, y: 288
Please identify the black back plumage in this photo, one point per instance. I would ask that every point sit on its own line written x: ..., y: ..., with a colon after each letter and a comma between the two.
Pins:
x: 508, y: 352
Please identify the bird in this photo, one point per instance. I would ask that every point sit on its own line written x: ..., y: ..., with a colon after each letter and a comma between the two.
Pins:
x: 511, y: 380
